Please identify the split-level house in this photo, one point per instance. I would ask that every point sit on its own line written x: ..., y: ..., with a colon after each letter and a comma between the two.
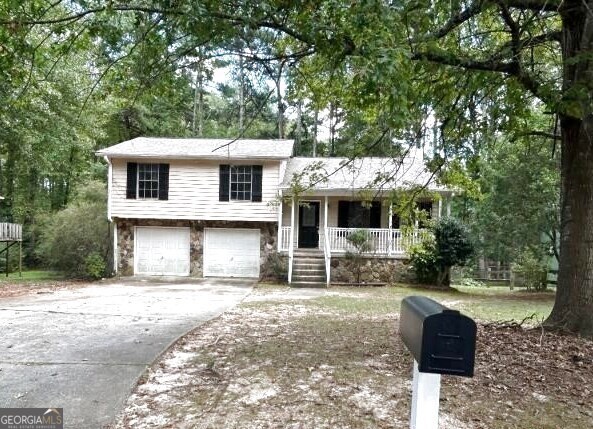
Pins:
x: 225, y: 208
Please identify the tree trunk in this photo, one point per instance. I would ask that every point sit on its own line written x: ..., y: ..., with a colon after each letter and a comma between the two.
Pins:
x: 573, y: 308
x: 280, y: 103
x: 444, y: 277
x: 299, y: 128
x: 315, y: 121
x: 241, y: 94
x: 198, y: 113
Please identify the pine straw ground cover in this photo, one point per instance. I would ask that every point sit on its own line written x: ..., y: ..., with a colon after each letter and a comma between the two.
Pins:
x: 335, y: 361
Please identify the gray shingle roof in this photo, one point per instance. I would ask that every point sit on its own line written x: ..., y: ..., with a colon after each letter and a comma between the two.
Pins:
x: 157, y: 147
x: 333, y: 174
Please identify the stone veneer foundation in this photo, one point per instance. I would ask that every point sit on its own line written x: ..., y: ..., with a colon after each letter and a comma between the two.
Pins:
x: 374, y: 270
x: 125, y: 240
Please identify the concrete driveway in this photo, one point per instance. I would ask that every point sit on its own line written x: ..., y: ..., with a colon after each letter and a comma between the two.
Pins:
x: 84, y: 349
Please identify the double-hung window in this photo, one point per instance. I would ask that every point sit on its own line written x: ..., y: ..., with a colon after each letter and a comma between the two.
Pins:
x: 147, y: 181
x: 240, y: 183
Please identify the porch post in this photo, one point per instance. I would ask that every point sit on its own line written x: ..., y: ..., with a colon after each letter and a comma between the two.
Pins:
x: 440, y: 207
x: 325, y: 210
x: 291, y: 244
x: 279, y: 239
x: 390, y: 227
x: 448, y: 207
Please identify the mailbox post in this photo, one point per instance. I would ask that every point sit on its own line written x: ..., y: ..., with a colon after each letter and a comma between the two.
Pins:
x: 442, y: 341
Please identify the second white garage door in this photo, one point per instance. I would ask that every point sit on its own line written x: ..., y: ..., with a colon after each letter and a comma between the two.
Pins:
x: 231, y: 252
x: 161, y: 251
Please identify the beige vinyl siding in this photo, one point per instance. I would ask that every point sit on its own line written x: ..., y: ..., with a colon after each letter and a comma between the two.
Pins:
x: 193, y: 194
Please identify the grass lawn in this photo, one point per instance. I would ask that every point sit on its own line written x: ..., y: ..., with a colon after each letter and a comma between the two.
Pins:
x: 288, y: 358
x: 30, y: 276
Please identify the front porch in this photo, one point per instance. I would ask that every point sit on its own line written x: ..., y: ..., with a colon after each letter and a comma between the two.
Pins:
x: 324, y: 226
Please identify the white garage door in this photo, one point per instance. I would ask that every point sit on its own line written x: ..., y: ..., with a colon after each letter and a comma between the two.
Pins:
x: 161, y: 251
x: 231, y: 252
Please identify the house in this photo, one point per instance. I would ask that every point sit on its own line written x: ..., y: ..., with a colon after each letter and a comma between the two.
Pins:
x: 210, y: 207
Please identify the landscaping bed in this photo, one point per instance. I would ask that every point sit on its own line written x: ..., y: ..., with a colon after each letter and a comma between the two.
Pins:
x: 334, y: 359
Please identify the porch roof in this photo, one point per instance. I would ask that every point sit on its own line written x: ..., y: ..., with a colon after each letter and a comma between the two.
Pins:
x: 343, y: 175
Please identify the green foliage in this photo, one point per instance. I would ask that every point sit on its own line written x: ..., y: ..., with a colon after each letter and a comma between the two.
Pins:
x: 76, y: 239
x: 469, y: 282
x: 423, y: 258
x: 531, y: 271
x: 95, y: 266
x: 361, y: 241
x: 452, y: 242
x: 277, y: 267
x: 518, y: 211
x: 450, y: 245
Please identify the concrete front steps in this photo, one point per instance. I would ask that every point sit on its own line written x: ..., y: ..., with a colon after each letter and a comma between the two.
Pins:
x: 308, y: 268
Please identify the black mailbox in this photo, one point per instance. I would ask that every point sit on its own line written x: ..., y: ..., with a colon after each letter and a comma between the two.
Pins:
x: 442, y: 341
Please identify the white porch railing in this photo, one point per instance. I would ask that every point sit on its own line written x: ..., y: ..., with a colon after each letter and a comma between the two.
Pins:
x: 384, y: 241
x: 284, y: 238
x: 11, y: 232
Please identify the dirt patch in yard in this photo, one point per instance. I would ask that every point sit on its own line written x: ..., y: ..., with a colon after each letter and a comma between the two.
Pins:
x: 9, y: 290
x: 310, y: 364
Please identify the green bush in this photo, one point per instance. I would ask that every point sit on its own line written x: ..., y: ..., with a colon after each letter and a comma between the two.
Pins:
x: 361, y: 240
x: 95, y: 266
x: 277, y: 267
x: 433, y: 258
x: 531, y: 271
x: 423, y: 259
x: 76, y: 240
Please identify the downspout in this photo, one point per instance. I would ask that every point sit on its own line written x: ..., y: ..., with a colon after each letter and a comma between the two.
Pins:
x: 109, y: 188
x: 109, y: 180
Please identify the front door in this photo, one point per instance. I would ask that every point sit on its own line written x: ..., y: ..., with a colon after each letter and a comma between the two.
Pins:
x: 309, y: 224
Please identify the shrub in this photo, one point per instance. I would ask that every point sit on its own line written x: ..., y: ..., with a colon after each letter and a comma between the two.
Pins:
x: 76, y: 240
x: 361, y: 240
x: 423, y: 259
x: 532, y: 271
x: 276, y: 267
x: 453, y: 247
x: 95, y: 266
x: 433, y: 258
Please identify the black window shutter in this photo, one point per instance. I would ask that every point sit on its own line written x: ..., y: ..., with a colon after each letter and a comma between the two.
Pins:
x: 163, y: 181
x: 256, y: 179
x: 375, y: 221
x: 343, y: 209
x: 224, y: 185
x: 131, y: 180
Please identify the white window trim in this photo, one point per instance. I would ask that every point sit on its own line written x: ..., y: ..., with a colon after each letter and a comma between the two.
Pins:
x: 157, y: 181
x: 231, y: 199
